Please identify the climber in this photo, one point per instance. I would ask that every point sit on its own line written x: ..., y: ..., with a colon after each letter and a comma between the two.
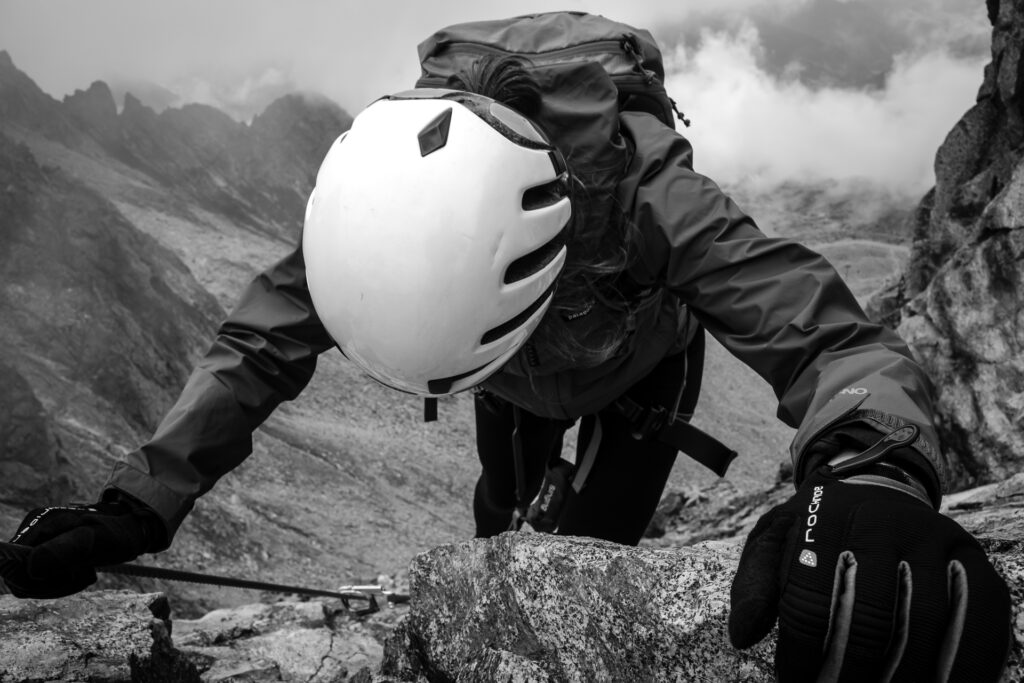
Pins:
x: 460, y: 239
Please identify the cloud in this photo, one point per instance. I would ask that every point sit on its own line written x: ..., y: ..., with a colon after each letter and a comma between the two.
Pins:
x: 775, y: 88
x: 242, y: 96
x: 760, y: 129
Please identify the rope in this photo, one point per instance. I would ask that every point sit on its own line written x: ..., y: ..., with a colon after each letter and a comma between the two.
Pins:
x: 373, y: 594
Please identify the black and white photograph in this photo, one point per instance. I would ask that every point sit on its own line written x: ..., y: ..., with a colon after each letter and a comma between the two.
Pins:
x: 402, y: 342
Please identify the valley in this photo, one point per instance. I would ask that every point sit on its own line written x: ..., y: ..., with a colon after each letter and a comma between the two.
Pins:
x: 345, y: 483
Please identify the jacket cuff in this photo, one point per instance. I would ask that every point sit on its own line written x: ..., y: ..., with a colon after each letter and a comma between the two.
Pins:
x: 169, y: 506
x: 862, y: 430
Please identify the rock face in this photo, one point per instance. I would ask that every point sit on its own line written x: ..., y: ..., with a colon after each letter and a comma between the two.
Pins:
x: 91, y: 308
x: 536, y: 607
x: 293, y: 641
x: 123, y: 237
x: 258, y: 175
x: 540, y: 607
x: 519, y: 607
x: 961, y: 301
x: 108, y: 636
x: 113, y: 636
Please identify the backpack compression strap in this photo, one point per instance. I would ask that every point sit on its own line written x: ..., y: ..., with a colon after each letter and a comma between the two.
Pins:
x: 653, y: 422
x: 672, y: 427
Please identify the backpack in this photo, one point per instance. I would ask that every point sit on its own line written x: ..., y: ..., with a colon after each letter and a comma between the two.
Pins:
x: 590, y: 69
x: 629, y: 55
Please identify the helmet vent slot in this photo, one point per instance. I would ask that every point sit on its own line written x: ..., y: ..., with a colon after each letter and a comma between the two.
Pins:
x: 541, y: 196
x: 509, y: 326
x: 528, y: 264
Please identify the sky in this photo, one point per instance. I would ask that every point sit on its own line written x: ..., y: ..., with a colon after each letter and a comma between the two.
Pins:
x: 777, y: 90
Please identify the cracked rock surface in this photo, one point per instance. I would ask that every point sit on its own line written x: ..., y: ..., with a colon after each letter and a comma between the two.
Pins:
x: 93, y: 636
x: 293, y: 641
x: 520, y: 607
x: 959, y: 303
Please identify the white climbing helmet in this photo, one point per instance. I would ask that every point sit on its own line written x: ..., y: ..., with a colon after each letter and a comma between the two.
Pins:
x: 434, y: 237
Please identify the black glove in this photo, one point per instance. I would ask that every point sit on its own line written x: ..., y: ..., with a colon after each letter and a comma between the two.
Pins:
x: 869, y: 583
x: 69, y: 542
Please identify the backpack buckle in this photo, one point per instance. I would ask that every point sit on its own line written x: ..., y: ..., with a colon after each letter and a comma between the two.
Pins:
x: 644, y: 421
x: 648, y: 422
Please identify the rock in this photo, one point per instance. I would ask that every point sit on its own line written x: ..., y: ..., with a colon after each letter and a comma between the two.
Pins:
x: 120, y: 636
x: 993, y: 513
x: 102, y: 636
x: 307, y: 641
x: 24, y: 104
x: 526, y: 607
x: 258, y: 176
x: 540, y: 607
x: 95, y: 110
x: 118, y: 249
x: 99, y: 324
x: 960, y: 303
x: 28, y: 464
x: 518, y: 607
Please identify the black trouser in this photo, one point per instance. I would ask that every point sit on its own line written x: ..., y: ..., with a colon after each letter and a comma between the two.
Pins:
x: 623, y: 488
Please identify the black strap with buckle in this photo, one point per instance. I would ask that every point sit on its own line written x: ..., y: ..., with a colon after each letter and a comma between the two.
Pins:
x: 652, y: 422
x: 672, y: 426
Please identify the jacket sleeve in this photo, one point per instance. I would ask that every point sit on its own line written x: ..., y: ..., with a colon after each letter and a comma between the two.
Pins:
x: 782, y: 309
x: 265, y: 352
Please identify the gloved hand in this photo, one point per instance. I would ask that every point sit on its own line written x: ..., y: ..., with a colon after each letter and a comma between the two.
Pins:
x: 869, y: 583
x: 69, y: 542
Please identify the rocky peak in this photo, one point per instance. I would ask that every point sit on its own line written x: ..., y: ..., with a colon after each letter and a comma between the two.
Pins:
x: 256, y: 175
x: 135, y: 110
x: 202, y: 135
x: 151, y: 94
x: 287, y: 113
x: 201, y: 117
x: 961, y: 300
x: 97, y: 100
x: 23, y: 103
x: 95, y: 109
x: 288, y: 140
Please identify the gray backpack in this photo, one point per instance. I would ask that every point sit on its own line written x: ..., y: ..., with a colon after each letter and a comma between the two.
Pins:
x: 629, y: 55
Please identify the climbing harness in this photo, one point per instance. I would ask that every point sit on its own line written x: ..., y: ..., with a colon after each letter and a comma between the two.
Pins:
x: 374, y: 596
x: 668, y: 425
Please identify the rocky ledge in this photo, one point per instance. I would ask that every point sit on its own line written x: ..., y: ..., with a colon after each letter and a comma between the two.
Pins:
x: 519, y: 607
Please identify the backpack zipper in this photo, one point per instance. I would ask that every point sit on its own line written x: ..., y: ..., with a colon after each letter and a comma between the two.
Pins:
x: 628, y: 46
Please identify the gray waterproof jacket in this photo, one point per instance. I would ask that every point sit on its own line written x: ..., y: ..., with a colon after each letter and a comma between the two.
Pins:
x: 778, y: 306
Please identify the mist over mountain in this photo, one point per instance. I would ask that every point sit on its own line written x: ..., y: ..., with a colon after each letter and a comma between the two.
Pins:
x: 153, y: 95
x: 129, y: 233
x: 125, y: 237
x: 840, y: 43
x: 821, y: 92
x: 240, y: 95
x: 126, y: 230
x: 355, y: 53
x: 142, y: 226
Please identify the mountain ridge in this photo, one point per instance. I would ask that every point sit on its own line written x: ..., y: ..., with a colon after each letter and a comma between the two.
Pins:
x: 202, y: 153
x: 210, y: 202
x: 346, y: 481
